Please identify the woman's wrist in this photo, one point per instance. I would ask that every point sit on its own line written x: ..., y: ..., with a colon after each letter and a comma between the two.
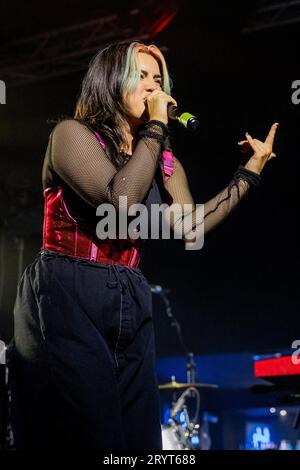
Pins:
x: 254, y: 167
x: 155, y: 129
x: 158, y: 122
x: 252, y: 177
x: 157, y: 118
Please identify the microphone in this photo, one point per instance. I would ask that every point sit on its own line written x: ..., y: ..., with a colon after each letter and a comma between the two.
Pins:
x: 189, y: 121
x: 156, y: 289
x: 179, y: 404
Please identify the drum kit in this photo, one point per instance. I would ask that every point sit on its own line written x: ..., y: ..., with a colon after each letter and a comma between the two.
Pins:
x: 183, y: 432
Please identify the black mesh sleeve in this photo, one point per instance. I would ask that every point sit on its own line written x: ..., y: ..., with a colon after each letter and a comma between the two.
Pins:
x: 216, y: 209
x: 79, y: 159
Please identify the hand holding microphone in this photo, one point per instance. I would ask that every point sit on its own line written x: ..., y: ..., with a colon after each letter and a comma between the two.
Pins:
x: 163, y: 107
x: 157, y: 103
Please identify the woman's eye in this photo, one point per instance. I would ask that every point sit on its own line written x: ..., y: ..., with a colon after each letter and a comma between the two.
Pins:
x: 158, y: 82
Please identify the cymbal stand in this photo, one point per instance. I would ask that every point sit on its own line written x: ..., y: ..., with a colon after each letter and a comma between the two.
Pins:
x: 179, y: 405
x: 191, y: 427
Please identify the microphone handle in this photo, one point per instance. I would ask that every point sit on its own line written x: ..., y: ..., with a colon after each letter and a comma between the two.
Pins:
x: 189, y: 121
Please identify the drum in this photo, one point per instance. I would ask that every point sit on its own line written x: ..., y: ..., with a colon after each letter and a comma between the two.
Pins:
x: 171, y: 439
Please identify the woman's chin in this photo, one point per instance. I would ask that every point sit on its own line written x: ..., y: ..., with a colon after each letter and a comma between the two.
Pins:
x: 139, y: 120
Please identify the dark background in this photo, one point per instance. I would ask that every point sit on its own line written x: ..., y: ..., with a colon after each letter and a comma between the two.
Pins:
x: 241, y: 291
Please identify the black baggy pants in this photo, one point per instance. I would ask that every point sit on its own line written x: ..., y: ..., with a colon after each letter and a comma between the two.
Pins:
x: 85, y: 357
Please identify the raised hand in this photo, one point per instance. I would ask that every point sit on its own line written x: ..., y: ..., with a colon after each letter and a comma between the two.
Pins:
x: 263, y: 151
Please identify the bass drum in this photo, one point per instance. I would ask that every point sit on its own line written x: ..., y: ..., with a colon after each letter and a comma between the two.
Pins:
x: 171, y: 438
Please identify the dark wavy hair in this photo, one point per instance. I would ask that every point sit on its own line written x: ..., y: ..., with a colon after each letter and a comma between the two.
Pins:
x: 112, y: 73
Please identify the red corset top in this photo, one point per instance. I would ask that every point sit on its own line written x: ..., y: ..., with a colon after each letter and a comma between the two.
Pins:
x: 63, y: 234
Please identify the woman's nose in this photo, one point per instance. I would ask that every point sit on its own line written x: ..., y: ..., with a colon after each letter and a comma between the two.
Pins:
x: 151, y: 85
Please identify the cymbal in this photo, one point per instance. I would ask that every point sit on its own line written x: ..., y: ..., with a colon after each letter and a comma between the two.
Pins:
x: 175, y: 384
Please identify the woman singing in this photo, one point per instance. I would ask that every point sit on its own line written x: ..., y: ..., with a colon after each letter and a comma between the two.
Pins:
x: 84, y: 344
